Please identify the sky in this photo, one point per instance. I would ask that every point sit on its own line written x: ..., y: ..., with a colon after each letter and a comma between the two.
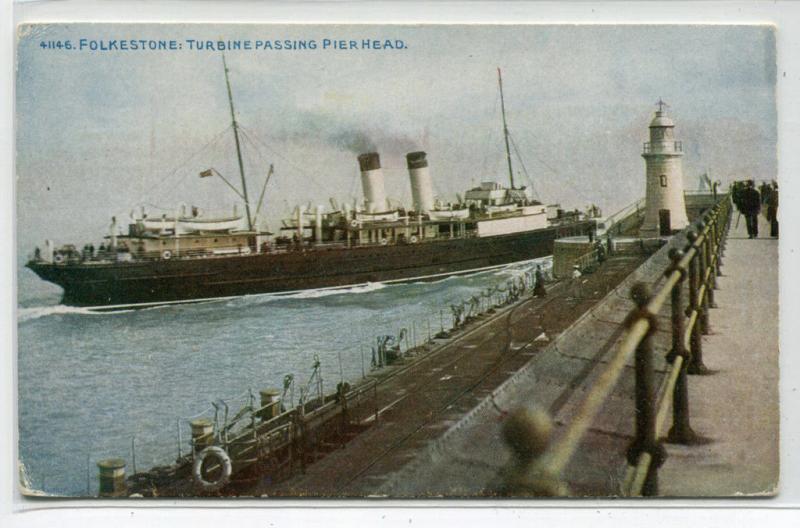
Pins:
x: 101, y: 132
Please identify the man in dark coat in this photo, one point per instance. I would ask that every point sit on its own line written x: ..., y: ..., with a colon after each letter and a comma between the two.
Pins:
x: 772, y: 210
x: 736, y: 194
x: 539, y: 289
x: 750, y: 207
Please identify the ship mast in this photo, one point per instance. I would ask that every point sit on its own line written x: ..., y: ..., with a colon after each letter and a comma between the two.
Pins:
x: 505, y: 128
x: 238, y: 147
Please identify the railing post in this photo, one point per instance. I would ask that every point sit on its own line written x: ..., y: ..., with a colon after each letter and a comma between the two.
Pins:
x: 675, y: 256
x: 711, y: 281
x: 676, y: 298
x: 681, y: 431
x: 724, y: 219
x: 702, y: 263
x: 645, y: 405
x: 696, y: 365
x: 718, y: 241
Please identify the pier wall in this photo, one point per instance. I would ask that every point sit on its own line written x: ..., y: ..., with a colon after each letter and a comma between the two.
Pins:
x: 468, y: 457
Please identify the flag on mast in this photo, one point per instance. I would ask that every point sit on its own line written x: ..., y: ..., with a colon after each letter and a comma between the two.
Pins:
x: 206, y: 173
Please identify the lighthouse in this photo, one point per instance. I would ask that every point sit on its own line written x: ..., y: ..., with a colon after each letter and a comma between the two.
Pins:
x: 665, y: 209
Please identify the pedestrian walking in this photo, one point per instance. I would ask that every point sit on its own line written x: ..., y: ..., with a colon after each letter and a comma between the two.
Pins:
x: 575, y: 285
x: 538, y: 288
x: 772, y: 210
x: 751, y: 207
x: 600, y: 252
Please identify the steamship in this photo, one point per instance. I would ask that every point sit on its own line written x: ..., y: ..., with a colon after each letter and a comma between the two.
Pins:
x: 188, y: 256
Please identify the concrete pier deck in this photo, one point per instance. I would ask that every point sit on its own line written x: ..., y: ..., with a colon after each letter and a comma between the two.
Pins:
x: 737, y: 407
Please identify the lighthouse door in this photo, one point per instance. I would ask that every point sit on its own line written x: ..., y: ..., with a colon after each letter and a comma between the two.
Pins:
x: 664, y: 223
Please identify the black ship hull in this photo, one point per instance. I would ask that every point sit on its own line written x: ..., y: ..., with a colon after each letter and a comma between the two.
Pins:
x: 128, y: 283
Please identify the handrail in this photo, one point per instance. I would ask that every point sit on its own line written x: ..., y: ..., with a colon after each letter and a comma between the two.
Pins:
x: 542, y: 462
x: 624, y: 212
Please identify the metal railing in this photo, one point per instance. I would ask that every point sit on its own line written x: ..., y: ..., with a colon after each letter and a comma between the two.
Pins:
x: 541, y: 463
x: 658, y: 147
x: 623, y: 213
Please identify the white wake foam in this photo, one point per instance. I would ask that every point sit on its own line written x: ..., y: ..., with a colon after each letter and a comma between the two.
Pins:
x: 257, y: 299
x: 326, y: 292
x: 36, y: 312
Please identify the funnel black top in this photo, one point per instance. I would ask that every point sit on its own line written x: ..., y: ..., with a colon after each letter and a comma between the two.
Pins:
x: 369, y: 161
x: 416, y: 160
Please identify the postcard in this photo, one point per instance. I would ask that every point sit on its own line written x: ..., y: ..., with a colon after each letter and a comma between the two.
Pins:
x: 405, y: 261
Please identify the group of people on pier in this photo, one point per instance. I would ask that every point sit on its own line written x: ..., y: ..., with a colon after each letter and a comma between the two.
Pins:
x: 750, y: 203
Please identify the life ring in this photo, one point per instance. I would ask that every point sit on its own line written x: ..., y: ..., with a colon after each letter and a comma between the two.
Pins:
x: 222, y: 458
x: 166, y: 254
x: 58, y: 259
x: 354, y: 223
x: 413, y: 239
x: 384, y: 241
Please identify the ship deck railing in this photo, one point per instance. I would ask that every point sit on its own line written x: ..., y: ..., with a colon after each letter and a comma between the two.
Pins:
x: 122, y: 257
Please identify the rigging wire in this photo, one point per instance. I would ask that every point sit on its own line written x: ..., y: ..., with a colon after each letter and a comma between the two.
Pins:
x: 261, y: 157
x: 564, y: 180
x: 180, y: 166
x: 491, y: 142
x: 522, y: 163
x: 276, y: 153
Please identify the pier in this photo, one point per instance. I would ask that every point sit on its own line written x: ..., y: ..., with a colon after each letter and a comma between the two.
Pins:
x: 648, y: 375
x: 606, y: 412
x: 736, y: 409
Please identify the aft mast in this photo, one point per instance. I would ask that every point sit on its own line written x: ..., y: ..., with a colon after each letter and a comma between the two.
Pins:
x: 505, y: 128
x: 239, y: 148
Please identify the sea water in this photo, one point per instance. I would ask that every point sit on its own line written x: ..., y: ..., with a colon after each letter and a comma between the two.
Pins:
x: 94, y: 385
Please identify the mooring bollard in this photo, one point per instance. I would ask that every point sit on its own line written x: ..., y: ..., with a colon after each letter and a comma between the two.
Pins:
x: 202, y: 433
x: 645, y: 405
x: 270, y: 404
x: 111, y: 475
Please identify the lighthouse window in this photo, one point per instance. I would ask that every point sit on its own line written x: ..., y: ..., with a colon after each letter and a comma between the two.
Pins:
x: 663, y: 180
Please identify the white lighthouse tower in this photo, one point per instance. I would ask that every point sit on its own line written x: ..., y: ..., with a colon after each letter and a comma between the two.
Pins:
x: 665, y: 207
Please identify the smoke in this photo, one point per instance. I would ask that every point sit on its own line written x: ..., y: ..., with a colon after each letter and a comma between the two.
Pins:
x: 356, y: 141
x: 336, y: 132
